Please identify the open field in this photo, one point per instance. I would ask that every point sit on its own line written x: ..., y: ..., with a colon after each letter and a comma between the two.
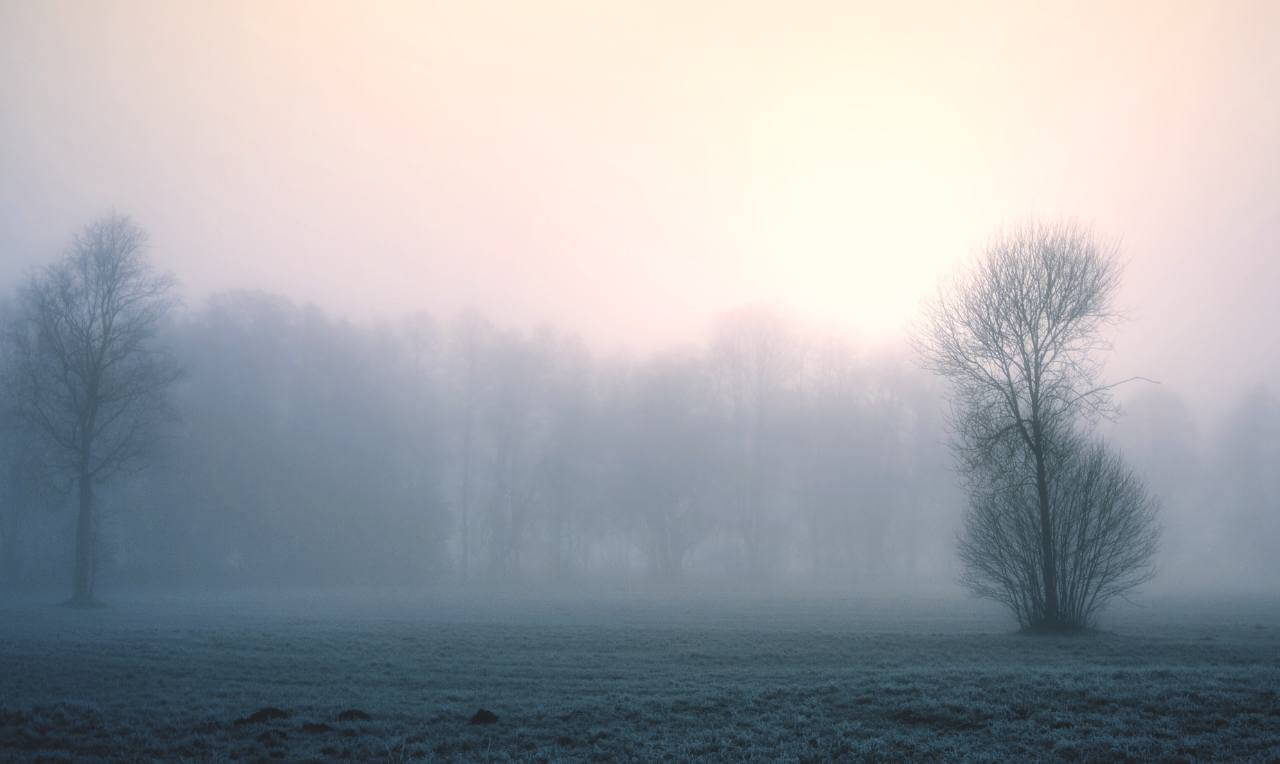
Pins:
x: 637, y: 677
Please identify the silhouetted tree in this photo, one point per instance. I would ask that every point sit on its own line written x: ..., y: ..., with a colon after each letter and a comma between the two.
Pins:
x: 1161, y: 440
x: 1243, y: 484
x: 1018, y: 335
x: 667, y: 461
x: 516, y: 432
x: 25, y: 484
x: 755, y: 357
x: 470, y: 337
x: 90, y: 376
x: 570, y: 465
x: 1103, y: 535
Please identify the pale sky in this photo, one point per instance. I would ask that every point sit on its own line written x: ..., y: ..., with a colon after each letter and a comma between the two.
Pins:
x: 629, y: 170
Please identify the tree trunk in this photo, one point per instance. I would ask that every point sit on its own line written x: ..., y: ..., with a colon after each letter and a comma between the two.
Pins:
x: 465, y: 562
x: 1050, y: 569
x: 82, y: 574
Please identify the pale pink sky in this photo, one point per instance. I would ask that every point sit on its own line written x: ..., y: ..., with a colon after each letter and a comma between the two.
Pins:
x: 631, y: 170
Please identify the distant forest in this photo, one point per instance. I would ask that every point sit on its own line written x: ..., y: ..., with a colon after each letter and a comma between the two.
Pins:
x: 304, y: 449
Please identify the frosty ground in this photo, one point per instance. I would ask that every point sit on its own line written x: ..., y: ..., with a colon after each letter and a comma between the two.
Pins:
x: 633, y: 676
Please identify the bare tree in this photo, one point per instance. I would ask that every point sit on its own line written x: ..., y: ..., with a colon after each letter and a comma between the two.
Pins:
x: 1243, y: 479
x: 668, y: 458
x: 90, y: 376
x: 515, y: 428
x: 25, y: 484
x: 1018, y: 335
x: 470, y: 339
x: 1104, y: 536
x: 756, y: 357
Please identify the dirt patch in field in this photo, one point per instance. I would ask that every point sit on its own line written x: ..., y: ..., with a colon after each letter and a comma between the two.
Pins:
x: 945, y: 720
x: 263, y: 715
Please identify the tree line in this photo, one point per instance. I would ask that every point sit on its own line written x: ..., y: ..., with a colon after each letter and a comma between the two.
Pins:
x: 283, y: 445
x: 296, y: 447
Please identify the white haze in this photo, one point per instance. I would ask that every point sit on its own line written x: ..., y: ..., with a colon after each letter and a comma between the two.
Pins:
x: 632, y: 176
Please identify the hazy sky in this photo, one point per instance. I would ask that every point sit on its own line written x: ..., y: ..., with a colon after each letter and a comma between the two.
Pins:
x: 630, y: 170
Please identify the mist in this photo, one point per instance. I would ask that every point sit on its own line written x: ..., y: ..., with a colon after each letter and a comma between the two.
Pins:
x: 573, y: 315
x: 310, y: 450
x: 377, y: 173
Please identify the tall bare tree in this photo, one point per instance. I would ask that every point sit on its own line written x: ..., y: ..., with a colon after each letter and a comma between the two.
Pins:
x: 1019, y: 336
x: 90, y: 375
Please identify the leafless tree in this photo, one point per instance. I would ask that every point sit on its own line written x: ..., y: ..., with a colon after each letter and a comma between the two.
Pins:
x: 668, y: 460
x: 467, y: 335
x: 25, y: 484
x: 1103, y: 533
x: 90, y: 376
x: 1019, y: 336
x: 756, y: 356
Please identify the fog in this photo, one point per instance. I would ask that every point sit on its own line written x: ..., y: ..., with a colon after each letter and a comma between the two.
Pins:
x: 580, y: 295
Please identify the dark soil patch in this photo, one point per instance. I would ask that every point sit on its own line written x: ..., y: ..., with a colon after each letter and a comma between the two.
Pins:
x: 263, y: 715
x: 272, y: 738
x: 946, y: 721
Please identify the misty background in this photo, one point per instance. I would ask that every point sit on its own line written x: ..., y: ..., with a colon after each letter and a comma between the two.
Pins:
x: 564, y: 293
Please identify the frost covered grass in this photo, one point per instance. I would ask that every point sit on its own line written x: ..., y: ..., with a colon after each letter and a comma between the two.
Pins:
x: 645, y: 678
